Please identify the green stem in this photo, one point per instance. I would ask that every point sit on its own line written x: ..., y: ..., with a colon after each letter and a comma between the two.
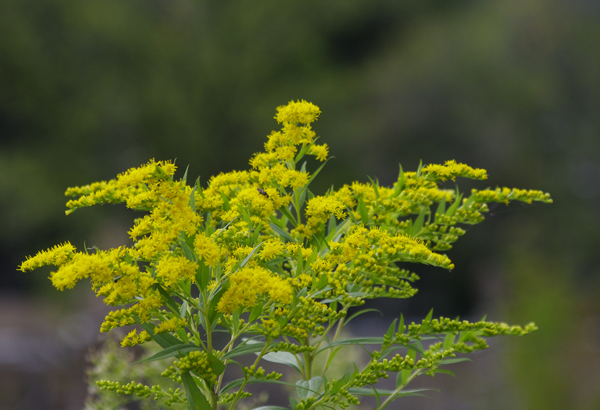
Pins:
x: 337, y: 334
x: 246, y: 377
x: 389, y: 399
x: 308, y: 359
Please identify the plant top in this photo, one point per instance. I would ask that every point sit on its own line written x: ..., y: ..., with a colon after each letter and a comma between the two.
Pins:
x: 256, y: 254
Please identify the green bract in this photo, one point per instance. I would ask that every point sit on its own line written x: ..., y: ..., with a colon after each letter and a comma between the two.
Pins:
x: 258, y: 255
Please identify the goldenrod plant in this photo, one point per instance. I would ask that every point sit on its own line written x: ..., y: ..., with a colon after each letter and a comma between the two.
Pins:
x: 257, y: 255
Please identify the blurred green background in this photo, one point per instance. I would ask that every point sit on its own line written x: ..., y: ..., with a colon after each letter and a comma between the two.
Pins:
x: 91, y: 88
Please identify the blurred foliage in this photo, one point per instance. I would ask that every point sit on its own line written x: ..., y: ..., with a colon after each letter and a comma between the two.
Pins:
x: 89, y: 89
x: 115, y: 363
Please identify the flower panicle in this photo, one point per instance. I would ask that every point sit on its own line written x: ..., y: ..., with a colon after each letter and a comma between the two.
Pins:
x: 256, y: 252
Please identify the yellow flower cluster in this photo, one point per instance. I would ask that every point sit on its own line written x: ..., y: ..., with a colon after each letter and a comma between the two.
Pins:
x: 56, y: 256
x: 170, y: 325
x: 250, y: 283
x: 133, y: 338
x: 507, y: 194
x: 451, y: 169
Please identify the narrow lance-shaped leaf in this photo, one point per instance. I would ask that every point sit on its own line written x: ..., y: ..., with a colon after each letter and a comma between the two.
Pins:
x: 454, y: 207
x: 245, y: 348
x: 171, y: 351
x: 245, y: 261
x: 281, y: 232
x: 285, y: 211
x: 362, y: 211
x: 418, y: 224
x: 441, y: 209
x: 400, y: 184
x: 389, y: 335
x: 195, y: 399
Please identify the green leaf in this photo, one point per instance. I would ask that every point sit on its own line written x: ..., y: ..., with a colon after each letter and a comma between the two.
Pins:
x: 164, y: 339
x: 245, y: 261
x: 195, y: 399
x: 469, y: 201
x: 441, y: 209
x: 322, y: 282
x: 303, y: 151
x: 449, y: 341
x: 362, y: 210
x: 420, y: 168
x: 392, y: 349
x: 382, y: 392
x: 339, y: 231
x: 331, y: 357
x: 183, y: 309
x: 425, y: 325
x: 337, y: 386
x: 192, y: 203
x: 270, y: 408
x: 391, y: 331
x: 299, y: 263
x: 184, y: 179
x: 202, y: 275
x: 167, y: 299
x: 286, y: 212
x: 250, y: 346
x: 418, y: 224
x: 400, y: 184
x: 308, y: 388
x: 404, y: 375
x: 455, y: 360
x: 445, y: 372
x: 216, y: 365
x: 401, y: 327
x: 170, y: 352
x: 198, y: 187
x: 331, y: 225
x: 284, y: 358
x: 222, y: 229
x: 413, y: 353
x: 315, y: 173
x: 360, y: 312
x: 226, y: 205
x: 454, y: 207
x: 354, y: 341
x: 301, y: 198
x: 375, y: 185
x: 302, y: 389
x: 255, y: 312
x: 233, y: 384
x: 281, y: 232
x: 238, y: 382
x: 251, y: 241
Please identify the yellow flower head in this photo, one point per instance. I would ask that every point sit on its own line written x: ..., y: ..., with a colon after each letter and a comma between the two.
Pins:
x: 298, y: 112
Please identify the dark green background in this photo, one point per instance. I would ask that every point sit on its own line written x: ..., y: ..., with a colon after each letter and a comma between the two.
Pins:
x: 91, y: 88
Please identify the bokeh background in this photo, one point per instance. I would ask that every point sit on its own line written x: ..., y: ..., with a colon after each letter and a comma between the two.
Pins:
x: 91, y: 88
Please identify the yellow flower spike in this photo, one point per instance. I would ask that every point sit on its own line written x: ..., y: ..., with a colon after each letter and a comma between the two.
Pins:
x: 56, y: 256
x: 298, y: 112
x: 271, y: 249
x: 174, y: 268
x: 206, y: 249
x: 247, y: 284
x: 451, y: 169
x: 319, y: 151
